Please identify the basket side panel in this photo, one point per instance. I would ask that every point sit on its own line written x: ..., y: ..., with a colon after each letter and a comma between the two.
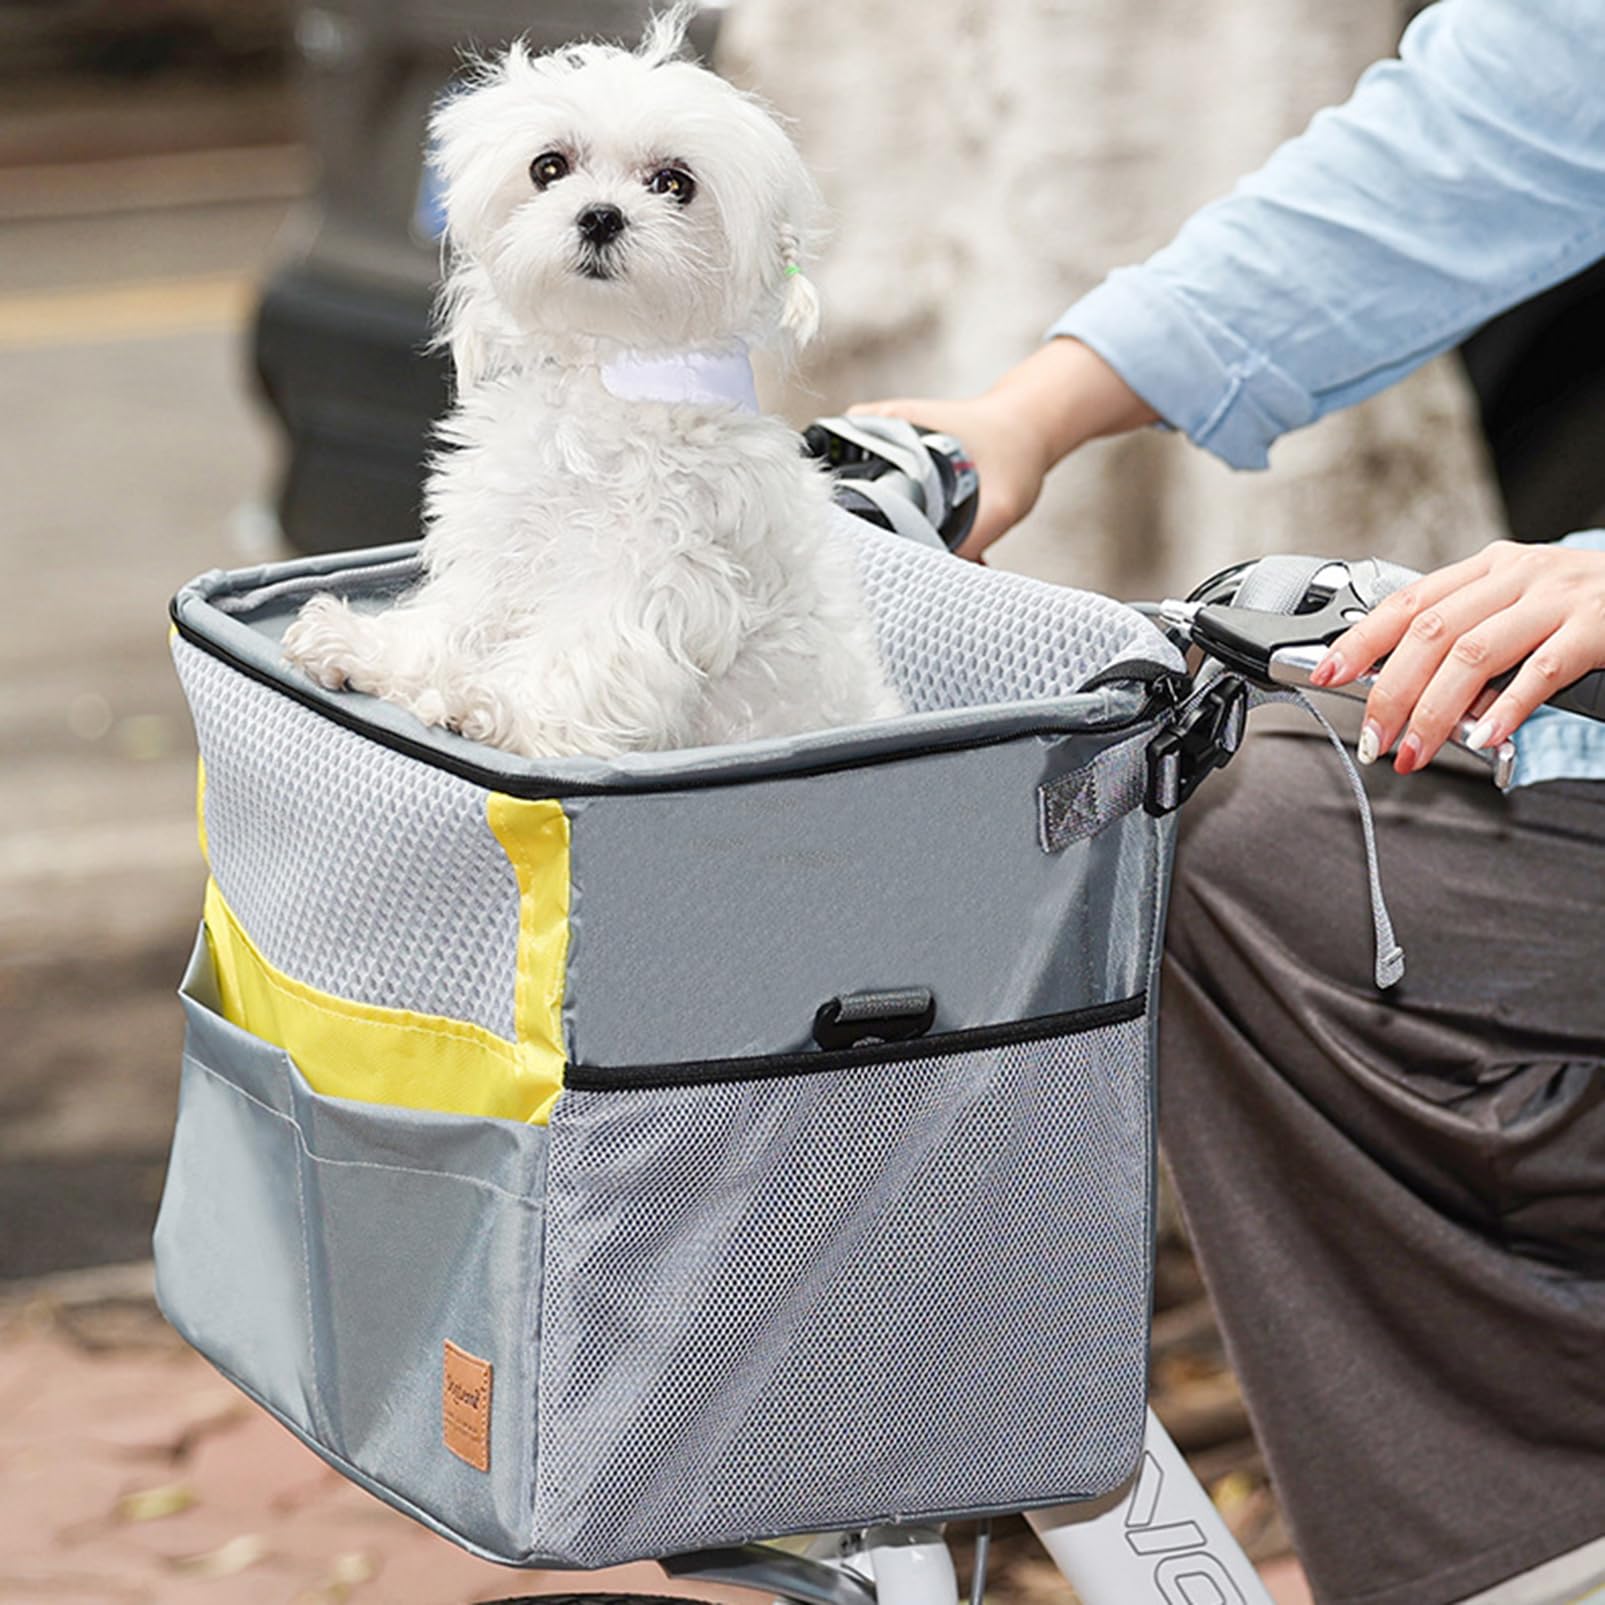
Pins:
x: 353, y: 868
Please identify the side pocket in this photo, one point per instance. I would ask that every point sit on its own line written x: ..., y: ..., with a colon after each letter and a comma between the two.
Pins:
x: 324, y: 1253
x: 424, y: 1230
x: 230, y: 1243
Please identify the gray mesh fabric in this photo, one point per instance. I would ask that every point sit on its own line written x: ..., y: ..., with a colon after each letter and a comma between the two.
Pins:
x: 955, y: 635
x: 351, y: 867
x: 793, y: 1303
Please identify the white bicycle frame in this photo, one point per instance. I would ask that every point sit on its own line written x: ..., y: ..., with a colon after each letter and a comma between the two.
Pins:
x: 1157, y: 1541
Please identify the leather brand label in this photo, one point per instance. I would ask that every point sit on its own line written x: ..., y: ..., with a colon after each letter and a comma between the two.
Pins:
x: 465, y: 1407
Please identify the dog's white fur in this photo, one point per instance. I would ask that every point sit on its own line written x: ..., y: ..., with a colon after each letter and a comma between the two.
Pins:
x: 605, y: 574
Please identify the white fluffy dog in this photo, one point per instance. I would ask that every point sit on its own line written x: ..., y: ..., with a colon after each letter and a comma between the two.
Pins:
x: 621, y: 553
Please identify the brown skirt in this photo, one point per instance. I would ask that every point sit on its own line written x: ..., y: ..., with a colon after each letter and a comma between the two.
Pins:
x: 1398, y: 1200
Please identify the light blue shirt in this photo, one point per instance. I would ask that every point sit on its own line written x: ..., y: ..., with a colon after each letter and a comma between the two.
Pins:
x: 1457, y: 181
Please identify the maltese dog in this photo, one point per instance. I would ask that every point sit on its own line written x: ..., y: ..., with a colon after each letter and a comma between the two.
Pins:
x: 620, y: 552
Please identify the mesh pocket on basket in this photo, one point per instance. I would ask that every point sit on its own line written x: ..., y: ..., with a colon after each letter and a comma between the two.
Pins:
x: 804, y: 1300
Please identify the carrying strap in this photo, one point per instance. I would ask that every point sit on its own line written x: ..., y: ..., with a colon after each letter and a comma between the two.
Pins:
x: 1081, y: 803
x: 1077, y: 805
x: 1277, y: 585
x: 1157, y: 769
x: 1389, y: 956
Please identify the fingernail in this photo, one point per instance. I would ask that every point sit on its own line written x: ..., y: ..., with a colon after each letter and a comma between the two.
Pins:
x: 1409, y: 754
x: 1486, y: 734
x: 1327, y: 670
x: 1370, y: 743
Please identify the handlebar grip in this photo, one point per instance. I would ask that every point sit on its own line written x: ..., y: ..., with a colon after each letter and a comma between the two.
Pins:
x: 1585, y: 696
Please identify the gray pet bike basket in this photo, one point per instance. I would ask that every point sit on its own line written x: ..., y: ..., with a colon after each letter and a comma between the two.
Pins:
x: 607, y: 1159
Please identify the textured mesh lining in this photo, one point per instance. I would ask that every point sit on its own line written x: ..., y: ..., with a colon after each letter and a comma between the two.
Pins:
x: 956, y: 635
x: 816, y: 1301
x: 351, y: 867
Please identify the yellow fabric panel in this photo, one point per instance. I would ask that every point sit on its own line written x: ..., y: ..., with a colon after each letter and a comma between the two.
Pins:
x: 535, y: 836
x: 200, y: 808
x: 373, y: 1054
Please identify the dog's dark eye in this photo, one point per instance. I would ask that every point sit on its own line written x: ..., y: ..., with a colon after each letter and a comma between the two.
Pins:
x: 548, y: 168
x: 675, y: 181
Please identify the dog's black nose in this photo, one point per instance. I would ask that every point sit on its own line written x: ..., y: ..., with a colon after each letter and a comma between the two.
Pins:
x: 599, y: 224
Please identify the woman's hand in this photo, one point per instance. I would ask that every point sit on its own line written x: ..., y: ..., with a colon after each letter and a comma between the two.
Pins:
x: 1450, y: 632
x: 1010, y: 460
x: 1061, y: 396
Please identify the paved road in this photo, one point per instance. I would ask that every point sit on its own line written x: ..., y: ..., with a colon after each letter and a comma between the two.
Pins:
x: 129, y: 444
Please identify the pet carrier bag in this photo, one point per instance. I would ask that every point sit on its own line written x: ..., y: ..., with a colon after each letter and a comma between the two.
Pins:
x: 609, y: 1159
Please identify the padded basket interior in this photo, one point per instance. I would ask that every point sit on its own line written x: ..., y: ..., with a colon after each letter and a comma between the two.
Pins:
x: 975, y: 653
x: 957, y: 635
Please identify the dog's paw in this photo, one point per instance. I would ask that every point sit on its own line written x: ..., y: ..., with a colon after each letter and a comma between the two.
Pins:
x: 482, y: 716
x: 487, y: 715
x: 323, y: 641
x: 429, y: 707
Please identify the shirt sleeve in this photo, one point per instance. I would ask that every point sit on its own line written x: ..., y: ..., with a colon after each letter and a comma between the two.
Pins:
x: 1458, y: 180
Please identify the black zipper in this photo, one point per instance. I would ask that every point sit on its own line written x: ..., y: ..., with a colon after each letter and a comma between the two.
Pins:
x: 709, y: 1072
x: 532, y: 787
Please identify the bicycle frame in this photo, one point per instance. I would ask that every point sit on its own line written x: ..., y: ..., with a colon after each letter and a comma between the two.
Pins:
x: 1156, y: 1541
x: 1159, y: 1540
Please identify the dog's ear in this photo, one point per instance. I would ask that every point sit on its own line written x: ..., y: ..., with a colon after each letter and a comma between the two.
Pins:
x: 469, y: 324
x: 472, y: 354
x: 799, y: 300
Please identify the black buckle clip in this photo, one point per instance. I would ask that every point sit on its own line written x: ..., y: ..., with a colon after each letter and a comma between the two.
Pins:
x: 1206, y: 739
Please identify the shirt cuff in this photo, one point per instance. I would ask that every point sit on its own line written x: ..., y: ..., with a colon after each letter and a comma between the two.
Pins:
x: 1196, y: 374
x: 1588, y: 540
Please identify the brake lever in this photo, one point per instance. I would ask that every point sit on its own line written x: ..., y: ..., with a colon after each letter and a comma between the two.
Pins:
x: 1246, y: 638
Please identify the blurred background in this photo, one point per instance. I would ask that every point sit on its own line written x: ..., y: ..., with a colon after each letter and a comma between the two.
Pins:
x: 217, y: 252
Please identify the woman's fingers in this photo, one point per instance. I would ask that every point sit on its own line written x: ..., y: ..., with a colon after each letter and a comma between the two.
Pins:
x: 1537, y: 610
x: 1571, y: 652
x: 1489, y: 647
x: 1376, y: 635
x: 1448, y: 646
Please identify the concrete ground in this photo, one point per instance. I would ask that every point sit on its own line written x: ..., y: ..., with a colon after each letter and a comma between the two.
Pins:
x: 131, y: 1474
x: 133, y: 456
